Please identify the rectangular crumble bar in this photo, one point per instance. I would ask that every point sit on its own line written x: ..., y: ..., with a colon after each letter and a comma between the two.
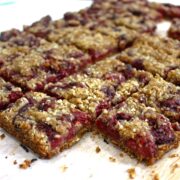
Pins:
x: 89, y: 94
x: 125, y: 79
x: 98, y: 43
x: 163, y: 96
x: 154, y: 54
x: 49, y: 62
x: 44, y: 124
x: 139, y: 130
x: 8, y: 93
x: 133, y: 15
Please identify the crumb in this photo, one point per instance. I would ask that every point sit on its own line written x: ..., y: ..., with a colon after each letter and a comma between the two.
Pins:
x: 173, y: 155
x: 112, y: 159
x: 155, y: 176
x: 132, y: 173
x: 6, y: 157
x: 64, y: 168
x: 15, y: 162
x: 174, y: 167
x: 106, y: 141
x: 121, y: 155
x: 25, y: 148
x: 27, y: 163
x: 2, y: 136
x: 98, y: 149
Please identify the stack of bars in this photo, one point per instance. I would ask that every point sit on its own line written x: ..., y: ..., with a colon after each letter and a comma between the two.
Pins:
x: 103, y: 68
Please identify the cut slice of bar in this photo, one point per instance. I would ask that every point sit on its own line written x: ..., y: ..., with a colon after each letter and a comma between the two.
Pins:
x: 44, y: 124
x: 139, y: 130
x: 89, y: 94
x: 174, y: 30
x: 163, y: 96
x: 154, y: 54
x: 8, y: 93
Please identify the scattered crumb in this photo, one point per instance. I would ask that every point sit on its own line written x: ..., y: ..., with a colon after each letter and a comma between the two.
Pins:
x: 106, y: 141
x: 173, y: 155
x: 2, y: 136
x: 25, y: 148
x: 26, y: 164
x: 98, y: 149
x: 64, y: 168
x: 6, y: 157
x: 174, y: 167
x: 155, y: 177
x: 15, y: 162
x: 121, y: 155
x: 132, y: 173
x: 112, y: 159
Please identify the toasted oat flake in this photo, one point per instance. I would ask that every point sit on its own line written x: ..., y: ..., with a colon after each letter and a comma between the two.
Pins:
x: 174, y: 167
x: 132, y: 173
x: 25, y: 164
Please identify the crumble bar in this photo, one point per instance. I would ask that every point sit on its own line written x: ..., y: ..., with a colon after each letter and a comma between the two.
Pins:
x: 139, y: 130
x: 44, y: 124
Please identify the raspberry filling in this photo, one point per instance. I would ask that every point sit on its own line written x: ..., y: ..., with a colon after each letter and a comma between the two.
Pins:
x: 54, y: 138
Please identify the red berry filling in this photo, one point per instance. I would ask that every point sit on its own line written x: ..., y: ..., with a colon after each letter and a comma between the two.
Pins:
x: 52, y: 135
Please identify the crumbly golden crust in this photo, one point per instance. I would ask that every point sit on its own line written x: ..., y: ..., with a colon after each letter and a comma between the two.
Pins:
x: 163, y: 96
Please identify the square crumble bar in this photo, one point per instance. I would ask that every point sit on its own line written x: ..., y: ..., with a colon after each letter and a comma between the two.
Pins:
x: 139, y: 130
x: 44, y: 124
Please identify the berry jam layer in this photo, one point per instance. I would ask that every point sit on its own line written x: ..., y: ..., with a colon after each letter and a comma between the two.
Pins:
x: 174, y: 31
x: 125, y: 79
x: 47, y: 63
x: 139, y: 130
x: 163, y: 96
x: 90, y: 95
x: 44, y: 124
x: 154, y: 54
x: 8, y: 93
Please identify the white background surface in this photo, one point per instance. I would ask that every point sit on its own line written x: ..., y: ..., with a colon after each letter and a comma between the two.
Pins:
x: 81, y: 160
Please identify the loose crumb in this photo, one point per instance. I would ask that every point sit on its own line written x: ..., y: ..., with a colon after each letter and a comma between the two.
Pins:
x: 121, y: 155
x: 6, y: 157
x: 2, y: 136
x: 112, y: 159
x: 98, y: 149
x: 64, y: 168
x: 174, y: 155
x: 15, y: 162
x: 174, y: 167
x: 27, y: 163
x: 132, y: 173
x: 156, y: 177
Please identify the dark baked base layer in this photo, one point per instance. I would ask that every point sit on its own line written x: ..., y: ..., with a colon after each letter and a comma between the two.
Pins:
x: 35, y: 145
